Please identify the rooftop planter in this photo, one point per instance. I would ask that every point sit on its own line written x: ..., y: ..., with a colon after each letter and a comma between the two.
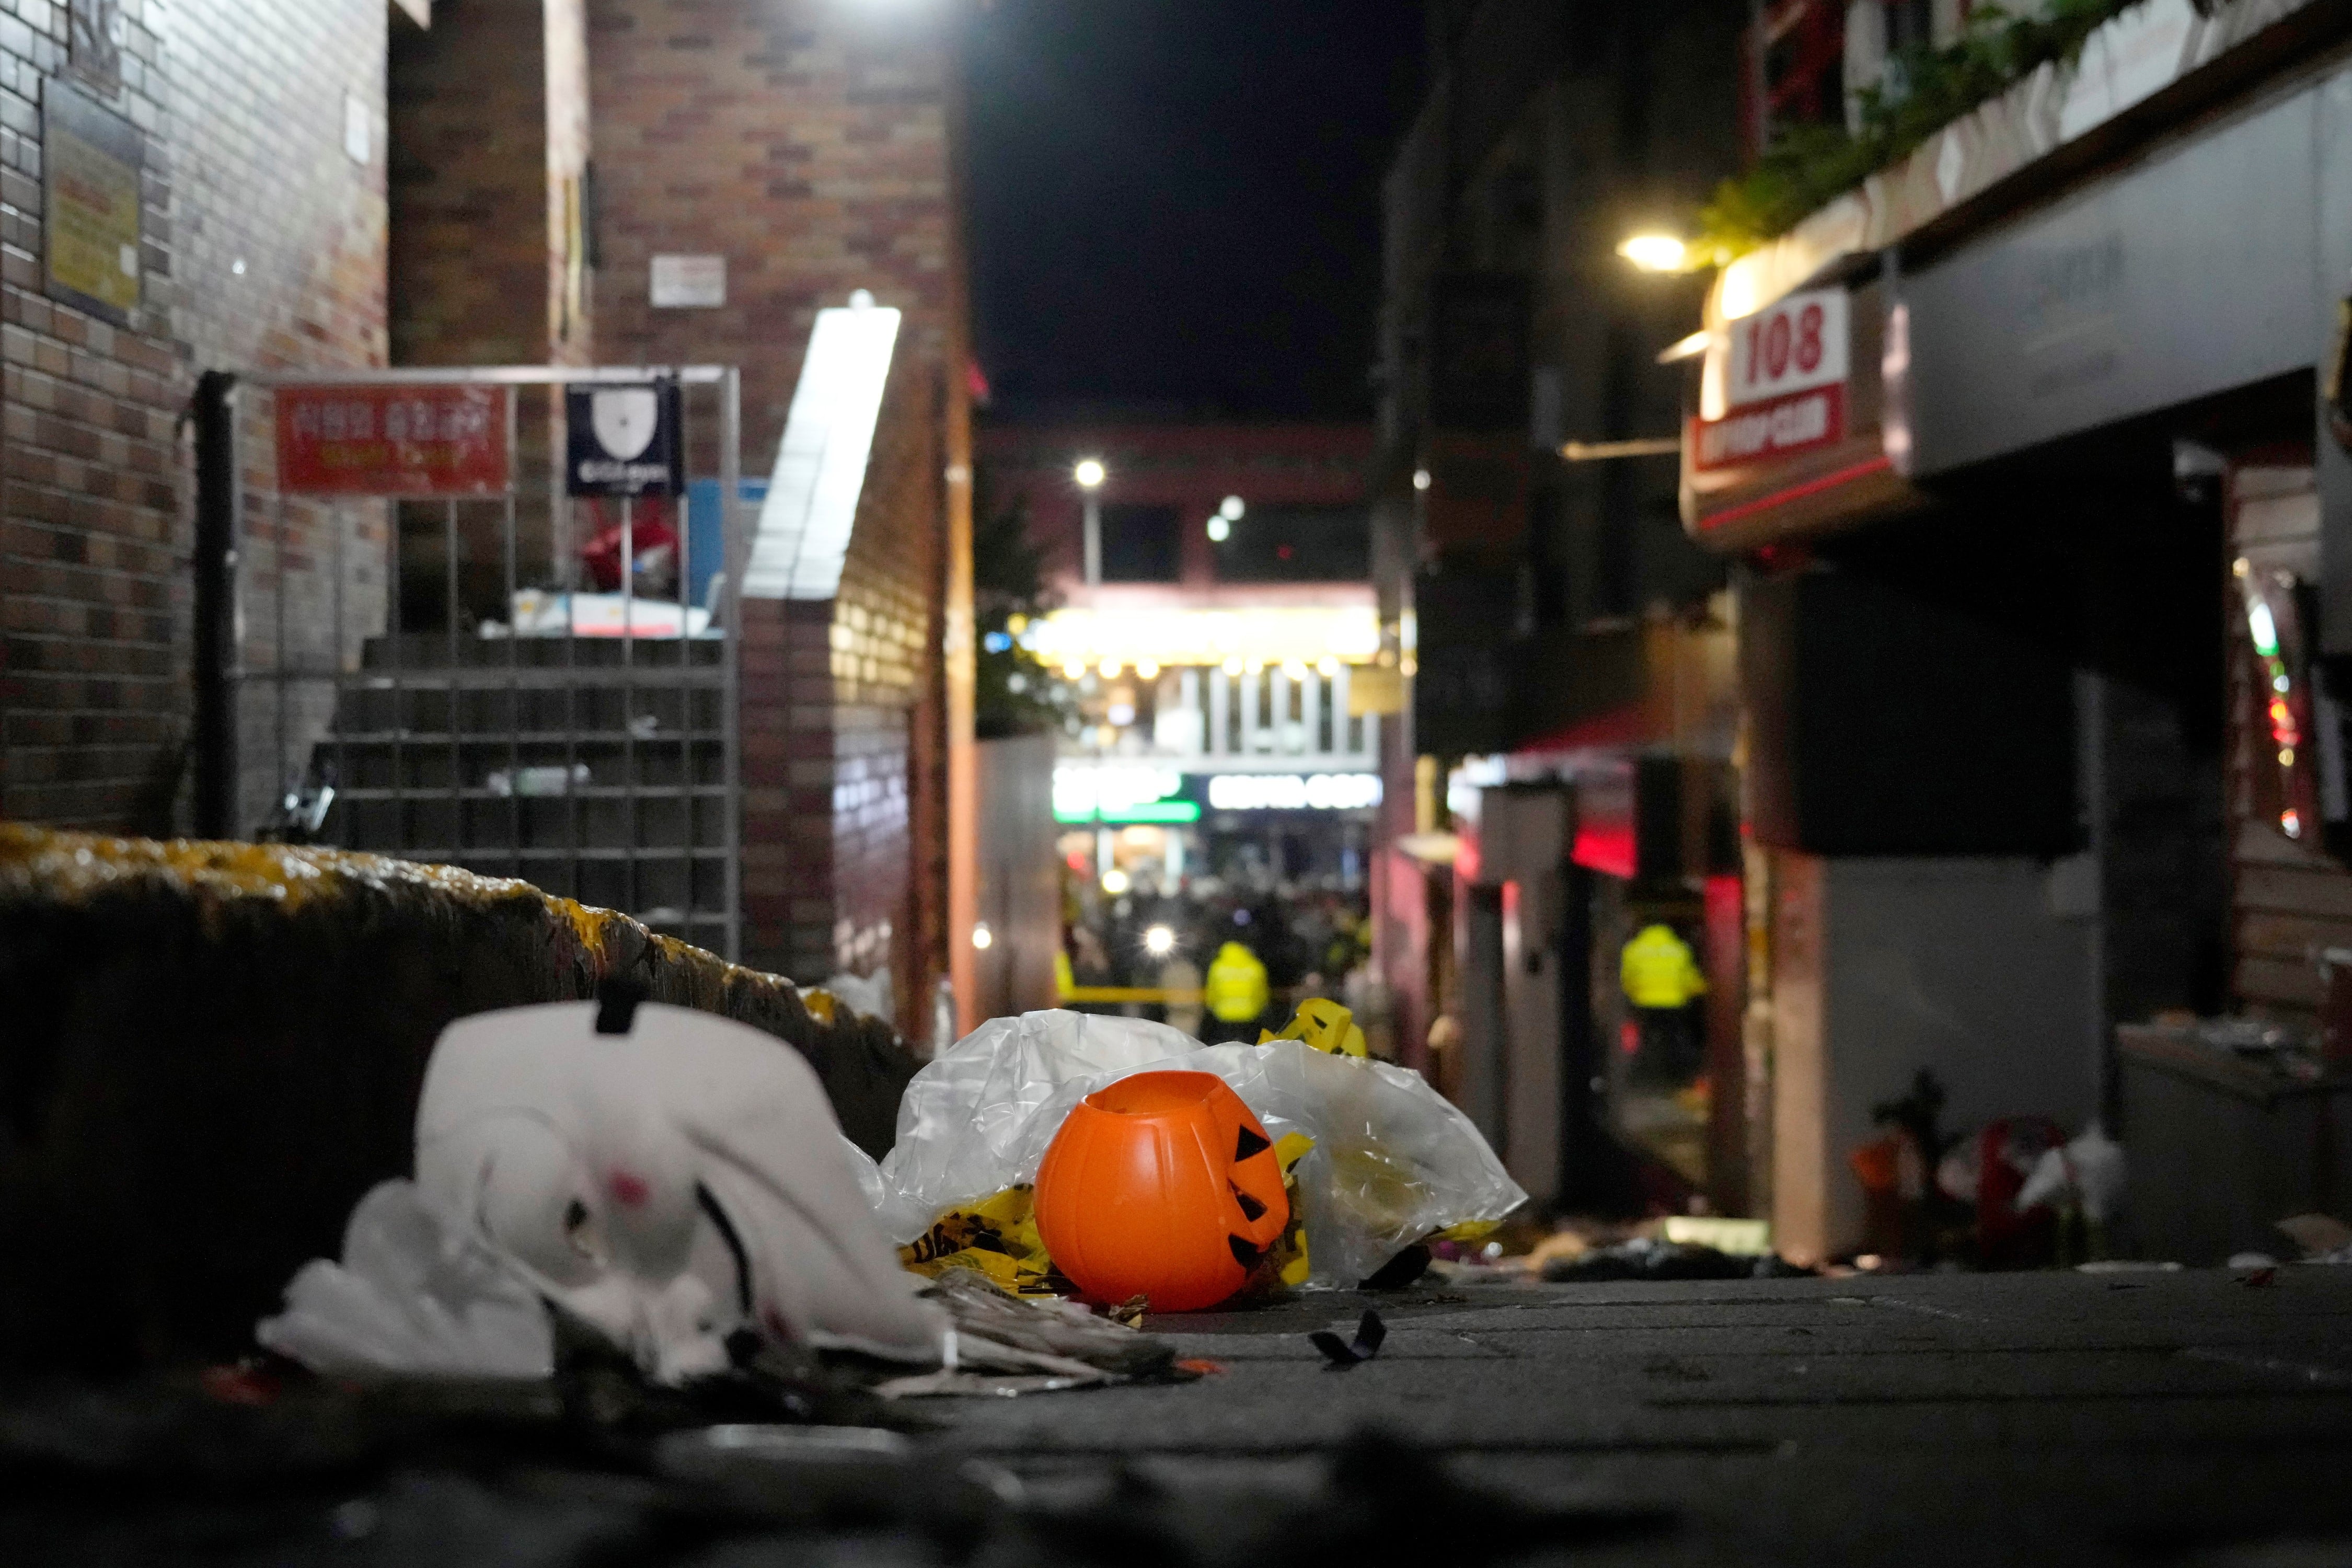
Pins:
x: 2011, y: 93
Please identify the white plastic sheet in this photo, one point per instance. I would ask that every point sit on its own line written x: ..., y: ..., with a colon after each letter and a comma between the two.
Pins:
x: 666, y: 1184
x: 412, y: 1296
x: 1393, y: 1160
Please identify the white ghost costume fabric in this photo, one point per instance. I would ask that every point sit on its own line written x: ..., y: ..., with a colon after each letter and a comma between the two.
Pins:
x: 668, y: 1185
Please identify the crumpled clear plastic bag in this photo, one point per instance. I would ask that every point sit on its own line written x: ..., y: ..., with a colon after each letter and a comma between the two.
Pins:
x: 412, y: 1297
x: 1393, y: 1162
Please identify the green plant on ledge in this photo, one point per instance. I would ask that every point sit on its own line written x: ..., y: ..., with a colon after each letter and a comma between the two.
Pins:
x: 1923, y: 91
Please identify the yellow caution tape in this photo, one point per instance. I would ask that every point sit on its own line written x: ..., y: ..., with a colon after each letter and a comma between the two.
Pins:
x: 1324, y: 1025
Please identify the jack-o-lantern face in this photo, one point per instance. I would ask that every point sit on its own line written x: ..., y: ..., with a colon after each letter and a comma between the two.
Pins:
x: 1161, y: 1185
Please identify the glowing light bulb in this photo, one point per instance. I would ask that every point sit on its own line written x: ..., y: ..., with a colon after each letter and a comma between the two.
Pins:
x: 1655, y: 252
x: 982, y: 937
x: 1160, y: 942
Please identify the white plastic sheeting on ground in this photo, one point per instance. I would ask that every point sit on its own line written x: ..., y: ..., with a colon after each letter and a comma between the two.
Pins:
x: 1393, y: 1162
x: 412, y: 1295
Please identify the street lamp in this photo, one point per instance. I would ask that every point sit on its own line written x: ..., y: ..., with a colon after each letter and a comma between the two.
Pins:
x: 1655, y: 252
x: 1090, y: 474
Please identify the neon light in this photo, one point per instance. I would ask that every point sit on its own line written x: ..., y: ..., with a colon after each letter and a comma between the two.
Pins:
x: 1162, y: 811
x: 2266, y: 629
x: 1795, y: 492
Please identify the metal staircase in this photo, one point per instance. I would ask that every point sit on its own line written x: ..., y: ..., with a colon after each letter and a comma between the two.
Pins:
x: 592, y: 767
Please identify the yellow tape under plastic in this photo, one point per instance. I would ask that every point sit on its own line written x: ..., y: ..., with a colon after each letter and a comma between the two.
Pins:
x: 1324, y: 1025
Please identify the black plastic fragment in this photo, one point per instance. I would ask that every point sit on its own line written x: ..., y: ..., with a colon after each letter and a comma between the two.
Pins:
x: 1341, y: 1354
x: 616, y: 1005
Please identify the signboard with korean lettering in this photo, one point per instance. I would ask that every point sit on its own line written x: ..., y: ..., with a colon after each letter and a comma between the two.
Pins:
x: 1783, y: 373
x: 624, y: 440
x: 91, y: 202
x: 416, y: 443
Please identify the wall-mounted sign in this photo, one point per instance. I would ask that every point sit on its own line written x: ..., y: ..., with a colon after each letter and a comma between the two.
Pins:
x: 90, y: 164
x: 624, y: 440
x: 1780, y: 378
x: 689, y: 282
x: 1116, y: 794
x: 418, y: 443
x: 1294, y: 791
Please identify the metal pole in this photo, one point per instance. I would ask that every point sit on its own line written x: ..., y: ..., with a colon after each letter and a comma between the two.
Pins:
x: 629, y: 705
x: 512, y: 523
x: 346, y: 518
x: 730, y: 462
x: 219, y: 528
x: 1093, y: 538
x: 455, y: 694
x: 281, y: 739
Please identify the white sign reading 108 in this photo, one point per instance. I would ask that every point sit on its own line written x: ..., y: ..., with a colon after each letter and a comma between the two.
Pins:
x: 1792, y: 346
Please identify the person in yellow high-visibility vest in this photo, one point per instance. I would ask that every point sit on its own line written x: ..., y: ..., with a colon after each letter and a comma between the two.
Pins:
x: 1662, y: 979
x: 1236, y: 993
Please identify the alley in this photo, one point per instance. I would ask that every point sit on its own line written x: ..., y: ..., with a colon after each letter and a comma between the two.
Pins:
x: 1182, y: 782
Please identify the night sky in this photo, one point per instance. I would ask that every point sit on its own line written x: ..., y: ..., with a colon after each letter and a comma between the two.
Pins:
x: 1175, y: 203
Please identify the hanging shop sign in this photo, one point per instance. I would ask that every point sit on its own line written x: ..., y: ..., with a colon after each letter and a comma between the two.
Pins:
x: 1784, y: 373
x: 416, y: 443
x: 90, y: 191
x: 625, y: 440
x: 1796, y: 434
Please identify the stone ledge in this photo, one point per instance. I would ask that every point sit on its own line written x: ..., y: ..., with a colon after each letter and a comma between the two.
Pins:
x: 209, y: 1051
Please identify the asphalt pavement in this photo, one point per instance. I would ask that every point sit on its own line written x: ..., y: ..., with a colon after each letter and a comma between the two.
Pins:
x: 2137, y: 1418
x: 2084, y: 1419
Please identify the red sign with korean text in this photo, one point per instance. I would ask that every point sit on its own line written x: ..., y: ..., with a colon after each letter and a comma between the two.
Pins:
x: 416, y: 443
x: 1771, y: 429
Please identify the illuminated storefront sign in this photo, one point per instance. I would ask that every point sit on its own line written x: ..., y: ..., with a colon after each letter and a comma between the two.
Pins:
x: 1294, y: 791
x: 1117, y: 795
x: 1262, y: 634
x: 1776, y: 382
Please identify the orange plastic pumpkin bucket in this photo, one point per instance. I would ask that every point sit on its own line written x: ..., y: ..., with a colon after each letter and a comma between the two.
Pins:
x: 1161, y: 1185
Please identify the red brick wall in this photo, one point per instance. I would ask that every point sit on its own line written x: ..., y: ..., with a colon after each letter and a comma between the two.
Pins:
x: 469, y: 259
x: 842, y: 828
x: 806, y: 141
x: 243, y: 106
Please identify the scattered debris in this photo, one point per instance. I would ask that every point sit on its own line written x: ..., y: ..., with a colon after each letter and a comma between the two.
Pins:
x: 1342, y: 1354
x: 1648, y: 1257
x: 1384, y: 1164
x: 2323, y: 1238
x: 412, y: 1295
